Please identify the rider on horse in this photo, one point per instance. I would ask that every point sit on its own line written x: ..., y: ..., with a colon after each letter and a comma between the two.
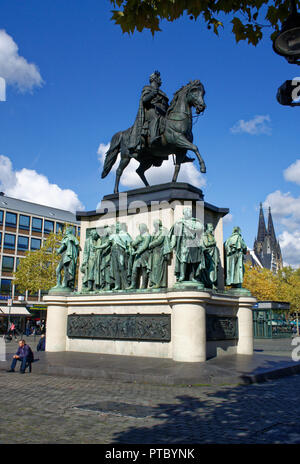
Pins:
x: 148, y: 125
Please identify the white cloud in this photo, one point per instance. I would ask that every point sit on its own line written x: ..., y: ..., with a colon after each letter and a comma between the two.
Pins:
x: 228, y: 218
x: 260, y: 124
x: 29, y: 185
x: 285, y: 210
x: 156, y: 175
x: 14, y: 68
x: 290, y: 247
x: 292, y: 173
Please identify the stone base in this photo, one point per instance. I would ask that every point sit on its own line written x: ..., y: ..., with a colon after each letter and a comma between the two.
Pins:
x: 187, y: 285
x: 238, y: 291
x: 59, y: 290
x: 186, y: 325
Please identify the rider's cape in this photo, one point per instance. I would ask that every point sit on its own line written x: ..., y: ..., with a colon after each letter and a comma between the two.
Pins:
x: 136, y: 132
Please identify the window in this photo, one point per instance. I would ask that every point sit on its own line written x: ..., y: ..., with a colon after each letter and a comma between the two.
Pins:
x: 17, y: 262
x: 78, y: 231
x: 11, y: 219
x: 37, y: 224
x: 5, y: 288
x: 1, y: 217
x: 35, y: 244
x: 59, y: 226
x: 7, y: 264
x: 0, y: 239
x: 23, y: 243
x: 48, y: 227
x: 9, y: 241
x: 24, y: 222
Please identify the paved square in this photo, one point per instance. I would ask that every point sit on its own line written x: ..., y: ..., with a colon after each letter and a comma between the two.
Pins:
x: 38, y: 408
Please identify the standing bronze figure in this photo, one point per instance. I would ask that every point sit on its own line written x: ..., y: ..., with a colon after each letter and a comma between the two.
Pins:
x: 159, y: 131
x: 140, y: 254
x: 185, y: 238
x: 235, y: 248
x: 69, y: 250
x: 160, y: 250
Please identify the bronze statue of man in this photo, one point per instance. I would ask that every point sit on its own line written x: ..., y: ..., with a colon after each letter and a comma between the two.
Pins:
x: 89, y: 266
x: 69, y: 249
x: 160, y: 250
x: 120, y: 241
x: 235, y: 248
x: 209, y: 275
x: 153, y: 106
x: 141, y: 257
x: 185, y: 240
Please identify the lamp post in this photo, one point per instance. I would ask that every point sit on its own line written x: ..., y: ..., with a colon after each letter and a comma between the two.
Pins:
x: 287, y: 41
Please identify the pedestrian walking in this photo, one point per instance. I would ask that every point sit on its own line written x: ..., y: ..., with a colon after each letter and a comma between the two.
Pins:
x: 27, y: 330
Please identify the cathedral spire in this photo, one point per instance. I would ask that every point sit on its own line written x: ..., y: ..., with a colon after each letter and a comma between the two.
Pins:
x: 271, y: 230
x: 262, y: 231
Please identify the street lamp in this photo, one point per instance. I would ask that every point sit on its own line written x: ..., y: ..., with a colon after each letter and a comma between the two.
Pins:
x: 287, y: 41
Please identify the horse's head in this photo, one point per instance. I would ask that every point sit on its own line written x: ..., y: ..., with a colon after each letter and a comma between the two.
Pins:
x: 195, y: 96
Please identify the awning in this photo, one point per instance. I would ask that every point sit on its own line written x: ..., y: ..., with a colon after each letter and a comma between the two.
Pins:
x: 14, y: 311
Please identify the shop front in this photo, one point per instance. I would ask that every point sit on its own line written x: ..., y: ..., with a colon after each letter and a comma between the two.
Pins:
x: 13, y: 314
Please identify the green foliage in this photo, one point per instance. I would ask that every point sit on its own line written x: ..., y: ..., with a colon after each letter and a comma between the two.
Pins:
x: 266, y: 286
x: 249, y: 17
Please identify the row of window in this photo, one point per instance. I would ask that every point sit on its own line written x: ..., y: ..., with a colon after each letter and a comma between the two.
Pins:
x: 8, y: 263
x: 6, y: 289
x: 9, y: 242
x: 24, y: 223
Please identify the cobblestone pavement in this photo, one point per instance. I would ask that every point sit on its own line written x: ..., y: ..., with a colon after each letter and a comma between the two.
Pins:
x: 51, y: 409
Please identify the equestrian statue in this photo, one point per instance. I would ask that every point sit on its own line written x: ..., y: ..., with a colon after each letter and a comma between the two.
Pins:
x: 159, y: 130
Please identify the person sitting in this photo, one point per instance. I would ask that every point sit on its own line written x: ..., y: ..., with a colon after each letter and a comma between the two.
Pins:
x: 24, y: 354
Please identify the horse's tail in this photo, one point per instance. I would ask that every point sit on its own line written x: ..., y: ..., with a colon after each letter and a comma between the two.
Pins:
x: 112, y: 154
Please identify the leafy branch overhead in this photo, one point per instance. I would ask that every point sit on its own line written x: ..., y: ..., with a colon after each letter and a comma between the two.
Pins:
x: 249, y: 18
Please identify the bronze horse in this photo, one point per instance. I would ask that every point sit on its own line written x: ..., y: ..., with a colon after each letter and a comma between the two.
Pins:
x: 177, y: 137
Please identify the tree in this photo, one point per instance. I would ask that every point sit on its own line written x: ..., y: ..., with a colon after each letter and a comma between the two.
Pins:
x: 266, y: 286
x: 246, y: 15
x: 37, y: 270
x: 261, y: 282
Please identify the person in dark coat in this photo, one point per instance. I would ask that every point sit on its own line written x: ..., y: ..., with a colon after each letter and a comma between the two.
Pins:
x: 41, y: 344
x: 24, y: 354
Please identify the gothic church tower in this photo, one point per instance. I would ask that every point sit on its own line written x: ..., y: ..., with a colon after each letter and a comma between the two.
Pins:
x: 266, y: 246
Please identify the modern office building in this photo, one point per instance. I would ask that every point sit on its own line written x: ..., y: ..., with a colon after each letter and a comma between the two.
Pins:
x: 24, y: 226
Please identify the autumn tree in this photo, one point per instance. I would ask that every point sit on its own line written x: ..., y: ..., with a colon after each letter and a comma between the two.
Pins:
x: 267, y: 286
x: 261, y: 282
x: 249, y: 18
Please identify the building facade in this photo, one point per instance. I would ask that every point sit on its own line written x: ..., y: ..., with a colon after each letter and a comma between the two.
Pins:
x: 25, y: 226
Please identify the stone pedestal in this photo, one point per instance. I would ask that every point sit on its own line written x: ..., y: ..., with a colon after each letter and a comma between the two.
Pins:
x: 57, y: 317
x: 183, y: 322
x: 189, y: 326
x: 186, y: 326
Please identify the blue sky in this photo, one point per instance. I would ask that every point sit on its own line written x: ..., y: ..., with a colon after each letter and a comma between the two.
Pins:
x: 75, y: 80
